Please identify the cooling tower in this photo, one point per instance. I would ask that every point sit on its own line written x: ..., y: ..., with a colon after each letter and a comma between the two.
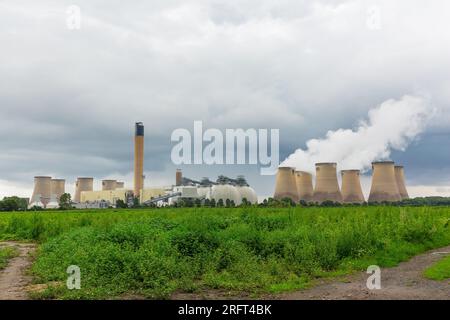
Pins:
x: 304, y: 185
x: 178, y: 177
x: 58, y: 188
x: 138, y: 159
x: 42, y: 191
x: 327, y: 187
x: 384, y: 185
x: 351, y: 187
x: 285, y: 186
x: 400, y: 178
x: 109, y: 185
x: 120, y: 185
x: 83, y: 184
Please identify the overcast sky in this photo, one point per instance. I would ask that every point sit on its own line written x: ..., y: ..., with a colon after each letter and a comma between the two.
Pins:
x: 69, y: 98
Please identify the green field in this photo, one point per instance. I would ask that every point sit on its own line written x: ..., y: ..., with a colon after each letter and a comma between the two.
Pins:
x: 440, y: 270
x: 156, y: 252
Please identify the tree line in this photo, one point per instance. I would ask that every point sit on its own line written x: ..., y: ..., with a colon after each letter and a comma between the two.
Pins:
x: 15, y: 203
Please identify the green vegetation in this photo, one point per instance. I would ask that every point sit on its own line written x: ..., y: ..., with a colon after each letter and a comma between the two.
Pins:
x: 13, y: 204
x: 65, y: 201
x: 440, y: 270
x: 6, y: 254
x: 156, y: 252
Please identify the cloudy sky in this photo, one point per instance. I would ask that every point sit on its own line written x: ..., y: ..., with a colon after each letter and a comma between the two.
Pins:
x: 69, y: 97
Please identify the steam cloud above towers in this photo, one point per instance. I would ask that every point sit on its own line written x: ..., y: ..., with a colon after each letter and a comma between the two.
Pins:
x: 390, y: 126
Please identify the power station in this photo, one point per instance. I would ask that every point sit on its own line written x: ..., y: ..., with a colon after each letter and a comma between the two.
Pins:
x: 138, y: 159
x: 285, y: 184
x: 400, y: 178
x: 83, y: 185
x: 384, y: 184
x: 327, y: 186
x: 42, y: 191
x: 388, y: 184
x: 47, y: 191
x: 305, y: 188
x: 351, y: 187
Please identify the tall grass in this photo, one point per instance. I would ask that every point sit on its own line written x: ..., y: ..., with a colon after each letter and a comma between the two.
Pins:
x: 157, y: 252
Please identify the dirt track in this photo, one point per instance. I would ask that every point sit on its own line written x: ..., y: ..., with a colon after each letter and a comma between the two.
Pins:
x: 13, y: 279
x: 405, y: 281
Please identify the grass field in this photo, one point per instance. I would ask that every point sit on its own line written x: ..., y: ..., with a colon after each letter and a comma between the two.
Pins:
x: 157, y: 252
x: 440, y: 270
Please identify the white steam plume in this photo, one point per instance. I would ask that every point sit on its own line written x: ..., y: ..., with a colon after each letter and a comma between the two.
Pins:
x: 390, y: 126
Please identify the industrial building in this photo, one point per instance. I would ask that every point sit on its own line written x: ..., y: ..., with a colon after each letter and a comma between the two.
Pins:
x: 304, y: 184
x: 400, y: 178
x: 388, y: 184
x: 226, y: 190
x: 42, y: 191
x: 83, y: 184
x: 384, y: 186
x: 327, y: 186
x: 351, y: 187
x: 47, y: 191
x: 285, y: 184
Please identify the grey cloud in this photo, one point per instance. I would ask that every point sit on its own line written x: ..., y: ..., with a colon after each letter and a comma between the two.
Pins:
x: 69, y: 99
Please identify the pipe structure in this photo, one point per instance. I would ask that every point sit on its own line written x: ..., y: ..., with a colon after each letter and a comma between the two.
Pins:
x: 304, y: 184
x: 42, y: 191
x: 400, y: 178
x: 138, y: 159
x: 384, y: 185
x: 285, y: 186
x: 327, y: 186
x: 58, y: 188
x: 83, y: 184
x: 351, y: 187
x: 178, y: 177
x: 109, y: 185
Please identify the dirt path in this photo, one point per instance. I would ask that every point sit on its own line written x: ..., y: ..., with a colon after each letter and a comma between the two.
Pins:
x: 405, y: 281
x: 13, y: 279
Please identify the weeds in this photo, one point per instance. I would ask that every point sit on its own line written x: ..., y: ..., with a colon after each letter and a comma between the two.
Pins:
x: 157, y: 252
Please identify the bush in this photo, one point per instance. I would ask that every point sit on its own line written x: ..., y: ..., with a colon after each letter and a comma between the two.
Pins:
x: 155, y: 252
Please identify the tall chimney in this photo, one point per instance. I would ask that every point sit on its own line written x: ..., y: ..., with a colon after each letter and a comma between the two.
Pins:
x: 58, y: 189
x: 351, y: 187
x: 400, y: 178
x: 83, y: 184
x: 178, y: 177
x: 304, y: 186
x: 327, y: 187
x: 285, y: 186
x: 138, y: 159
x: 108, y: 185
x: 384, y: 185
x: 42, y: 191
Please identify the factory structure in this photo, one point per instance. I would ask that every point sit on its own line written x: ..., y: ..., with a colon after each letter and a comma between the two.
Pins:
x: 47, y: 191
x: 388, y: 184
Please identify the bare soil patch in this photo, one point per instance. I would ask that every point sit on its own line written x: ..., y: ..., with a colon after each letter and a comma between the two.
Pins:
x: 13, y: 279
x: 404, y: 282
